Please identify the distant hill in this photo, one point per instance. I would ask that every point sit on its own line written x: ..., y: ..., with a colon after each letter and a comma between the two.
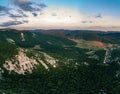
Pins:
x: 106, y: 37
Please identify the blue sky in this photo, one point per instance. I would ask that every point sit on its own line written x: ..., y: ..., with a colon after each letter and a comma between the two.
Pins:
x: 3, y: 2
x: 107, y: 7
x: 88, y: 11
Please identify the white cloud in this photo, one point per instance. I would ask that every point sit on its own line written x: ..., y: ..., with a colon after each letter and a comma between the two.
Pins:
x: 64, y: 18
x: 17, y: 2
x: 27, y: 5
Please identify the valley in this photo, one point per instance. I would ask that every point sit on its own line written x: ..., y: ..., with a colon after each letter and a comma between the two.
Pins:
x: 59, y: 62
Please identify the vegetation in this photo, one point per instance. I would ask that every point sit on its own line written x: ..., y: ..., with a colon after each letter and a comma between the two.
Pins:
x: 7, y: 51
x: 79, y: 70
x: 92, y: 79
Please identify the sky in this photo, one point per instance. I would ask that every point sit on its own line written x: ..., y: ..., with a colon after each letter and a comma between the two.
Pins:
x: 60, y: 14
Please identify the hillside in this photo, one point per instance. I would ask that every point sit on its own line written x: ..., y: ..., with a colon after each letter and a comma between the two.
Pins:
x: 59, y: 62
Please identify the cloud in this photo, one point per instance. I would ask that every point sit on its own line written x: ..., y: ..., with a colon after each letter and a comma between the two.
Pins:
x: 87, y: 21
x: 19, y: 2
x: 34, y: 14
x: 16, y: 14
x: 54, y: 14
x: 13, y: 13
x: 10, y: 23
x: 25, y: 21
x: 27, y: 5
x: 65, y: 18
x: 26, y: 15
x: 98, y: 16
x: 13, y: 23
x: 21, y: 11
x: 62, y: 18
x: 2, y: 8
x: 84, y: 21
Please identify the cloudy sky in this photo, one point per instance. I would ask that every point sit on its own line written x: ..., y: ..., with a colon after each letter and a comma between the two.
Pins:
x: 60, y: 14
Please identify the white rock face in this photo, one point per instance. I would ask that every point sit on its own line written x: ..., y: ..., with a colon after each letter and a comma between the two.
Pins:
x: 22, y: 37
x: 1, y: 71
x: 50, y: 60
x: 20, y: 64
x: 10, y: 40
x: 46, y: 67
